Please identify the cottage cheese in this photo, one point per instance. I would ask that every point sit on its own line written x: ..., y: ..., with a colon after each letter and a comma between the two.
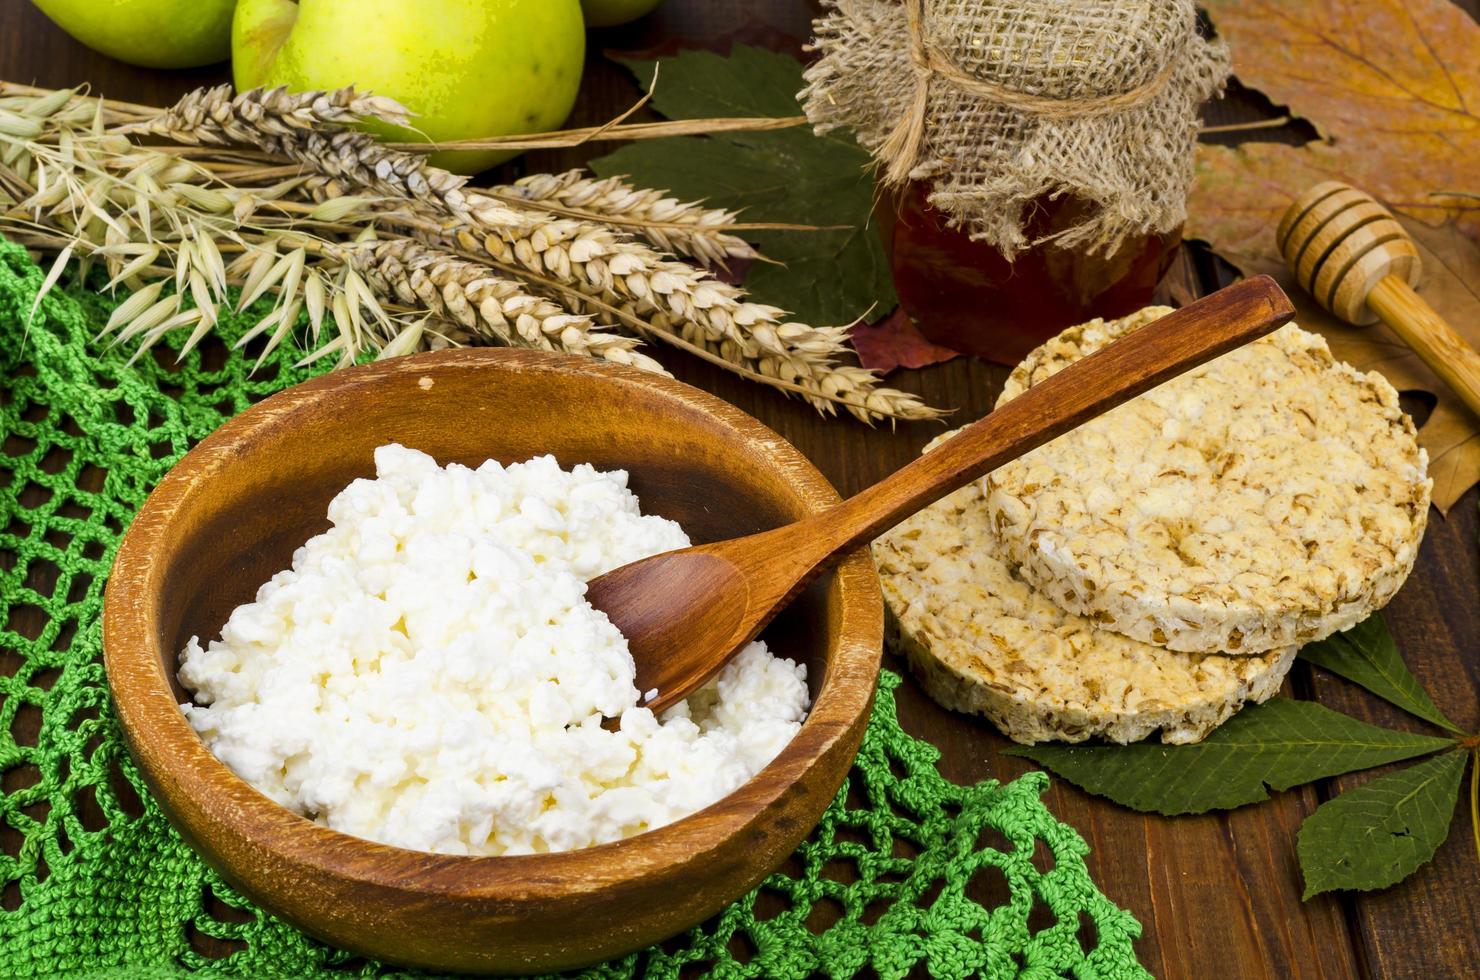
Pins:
x: 428, y: 672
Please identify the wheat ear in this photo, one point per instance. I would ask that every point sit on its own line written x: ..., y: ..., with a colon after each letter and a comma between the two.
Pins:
x: 676, y: 299
x: 586, y: 264
x: 484, y: 305
x: 676, y: 226
x: 672, y: 297
x: 311, y: 128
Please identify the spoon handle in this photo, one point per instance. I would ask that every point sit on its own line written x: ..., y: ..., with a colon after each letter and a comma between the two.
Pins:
x: 1177, y: 342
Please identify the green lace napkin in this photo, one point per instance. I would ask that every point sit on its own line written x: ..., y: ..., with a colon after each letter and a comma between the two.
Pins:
x: 918, y: 871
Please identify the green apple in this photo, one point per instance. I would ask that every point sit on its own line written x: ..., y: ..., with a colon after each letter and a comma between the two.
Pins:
x: 608, y: 13
x: 464, y: 68
x: 152, y: 33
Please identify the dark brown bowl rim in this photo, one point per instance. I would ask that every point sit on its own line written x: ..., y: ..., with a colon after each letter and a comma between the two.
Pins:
x: 165, y: 745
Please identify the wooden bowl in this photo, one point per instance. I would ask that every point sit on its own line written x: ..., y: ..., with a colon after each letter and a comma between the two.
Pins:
x: 231, y: 513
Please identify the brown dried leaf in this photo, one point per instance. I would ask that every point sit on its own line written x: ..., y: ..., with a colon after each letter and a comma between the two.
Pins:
x: 896, y: 342
x: 1180, y: 284
x: 1454, y: 452
x: 1239, y: 193
x: 1393, y: 86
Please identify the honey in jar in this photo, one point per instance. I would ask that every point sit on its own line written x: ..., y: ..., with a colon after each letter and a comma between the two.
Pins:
x: 965, y: 295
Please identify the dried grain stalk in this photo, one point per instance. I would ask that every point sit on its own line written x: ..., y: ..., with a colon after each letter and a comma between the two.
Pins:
x: 312, y: 128
x: 484, y: 305
x: 678, y: 300
x: 596, y: 258
x: 175, y: 242
x: 272, y: 192
x: 682, y: 228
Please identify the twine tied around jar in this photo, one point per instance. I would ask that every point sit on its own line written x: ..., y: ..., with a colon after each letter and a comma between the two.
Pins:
x: 1000, y: 103
x: 902, y: 148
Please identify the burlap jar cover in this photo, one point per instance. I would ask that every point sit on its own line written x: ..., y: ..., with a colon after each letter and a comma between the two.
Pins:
x: 998, y: 103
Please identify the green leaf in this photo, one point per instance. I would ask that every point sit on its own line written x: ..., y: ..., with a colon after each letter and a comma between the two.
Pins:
x: 1366, y: 655
x: 1475, y: 796
x: 788, y: 176
x: 751, y: 81
x: 1379, y: 833
x: 1275, y: 745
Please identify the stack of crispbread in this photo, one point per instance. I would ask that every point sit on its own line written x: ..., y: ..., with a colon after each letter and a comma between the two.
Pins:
x: 1158, y: 567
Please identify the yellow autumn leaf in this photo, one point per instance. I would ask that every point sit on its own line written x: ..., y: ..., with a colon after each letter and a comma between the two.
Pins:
x: 1393, y: 89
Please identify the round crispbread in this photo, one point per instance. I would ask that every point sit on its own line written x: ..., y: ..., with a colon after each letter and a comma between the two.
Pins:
x: 982, y: 640
x: 1266, y: 499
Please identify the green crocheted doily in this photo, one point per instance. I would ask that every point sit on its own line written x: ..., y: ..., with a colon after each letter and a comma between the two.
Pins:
x: 920, y: 872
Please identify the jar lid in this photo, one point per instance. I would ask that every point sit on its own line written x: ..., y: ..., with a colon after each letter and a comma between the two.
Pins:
x: 1001, y: 102
x: 1074, y: 52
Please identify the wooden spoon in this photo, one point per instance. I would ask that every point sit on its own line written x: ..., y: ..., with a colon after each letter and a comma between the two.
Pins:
x: 686, y: 612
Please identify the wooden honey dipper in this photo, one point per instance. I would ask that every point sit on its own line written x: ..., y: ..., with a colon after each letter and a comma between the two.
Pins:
x: 1349, y: 253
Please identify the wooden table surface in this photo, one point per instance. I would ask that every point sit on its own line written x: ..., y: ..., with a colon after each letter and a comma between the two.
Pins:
x: 1219, y: 894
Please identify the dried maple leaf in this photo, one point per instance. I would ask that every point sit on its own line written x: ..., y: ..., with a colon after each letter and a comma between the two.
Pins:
x: 1393, y: 88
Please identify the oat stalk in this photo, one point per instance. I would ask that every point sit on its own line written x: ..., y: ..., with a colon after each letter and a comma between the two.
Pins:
x: 277, y: 195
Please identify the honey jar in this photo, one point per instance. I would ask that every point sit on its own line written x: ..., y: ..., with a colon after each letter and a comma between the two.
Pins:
x: 1033, y: 156
x: 967, y: 296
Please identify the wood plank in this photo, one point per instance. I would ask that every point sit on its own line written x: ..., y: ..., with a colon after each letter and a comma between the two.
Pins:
x: 1423, y: 927
x: 1426, y: 926
x: 1218, y: 894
